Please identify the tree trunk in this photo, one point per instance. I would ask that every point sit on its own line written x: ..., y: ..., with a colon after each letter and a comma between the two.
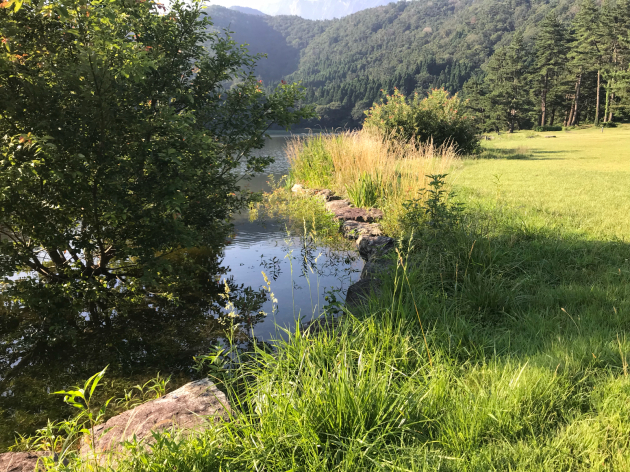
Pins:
x: 567, y: 114
x: 612, y: 99
x: 607, y: 106
x: 597, y: 99
x: 543, y: 102
x: 577, y: 101
x: 553, y: 117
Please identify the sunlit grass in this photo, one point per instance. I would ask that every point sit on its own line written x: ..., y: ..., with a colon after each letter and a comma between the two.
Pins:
x: 525, y: 304
x: 362, y: 164
x: 579, y: 180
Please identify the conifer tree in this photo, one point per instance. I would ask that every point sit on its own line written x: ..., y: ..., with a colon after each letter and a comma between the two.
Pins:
x: 584, y: 51
x: 507, y: 98
x: 550, y: 59
x: 621, y: 76
x: 615, y: 31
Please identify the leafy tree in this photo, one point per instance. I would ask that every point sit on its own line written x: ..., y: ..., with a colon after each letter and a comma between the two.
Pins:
x: 584, y: 54
x: 618, y: 86
x: 418, y: 46
x: 615, y: 50
x: 118, y: 152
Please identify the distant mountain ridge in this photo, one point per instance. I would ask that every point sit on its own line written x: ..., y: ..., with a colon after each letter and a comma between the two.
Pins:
x: 412, y: 45
x: 248, y: 11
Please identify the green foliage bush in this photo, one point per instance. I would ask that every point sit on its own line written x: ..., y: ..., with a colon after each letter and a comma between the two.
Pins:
x: 433, y: 215
x: 548, y: 128
x: 113, y: 183
x: 435, y: 118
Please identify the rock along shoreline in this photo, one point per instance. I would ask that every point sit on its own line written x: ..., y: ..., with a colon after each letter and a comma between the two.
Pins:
x: 361, y: 226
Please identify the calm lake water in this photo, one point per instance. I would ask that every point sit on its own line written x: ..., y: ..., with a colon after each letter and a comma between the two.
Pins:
x: 300, y: 273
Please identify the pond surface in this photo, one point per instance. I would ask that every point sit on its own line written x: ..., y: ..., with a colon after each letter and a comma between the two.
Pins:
x: 40, y: 354
x: 301, y: 273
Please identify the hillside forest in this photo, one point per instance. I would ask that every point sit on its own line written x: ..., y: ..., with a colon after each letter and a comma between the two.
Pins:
x: 520, y: 63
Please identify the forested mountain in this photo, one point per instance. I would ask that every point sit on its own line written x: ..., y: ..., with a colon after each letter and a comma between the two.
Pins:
x: 414, y: 46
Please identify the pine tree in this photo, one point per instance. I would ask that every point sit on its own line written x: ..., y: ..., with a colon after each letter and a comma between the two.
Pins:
x: 550, y: 59
x: 507, y: 100
x: 615, y: 32
x: 622, y: 74
x: 585, y: 55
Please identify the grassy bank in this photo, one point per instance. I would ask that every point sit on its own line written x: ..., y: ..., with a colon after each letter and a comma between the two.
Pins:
x: 500, y: 343
x: 367, y: 169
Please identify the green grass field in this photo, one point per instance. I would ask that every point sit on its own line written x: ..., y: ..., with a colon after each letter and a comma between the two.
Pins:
x: 580, y: 179
x: 500, y: 343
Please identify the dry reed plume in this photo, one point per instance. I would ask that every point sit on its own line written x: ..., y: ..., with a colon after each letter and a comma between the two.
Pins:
x: 396, y: 170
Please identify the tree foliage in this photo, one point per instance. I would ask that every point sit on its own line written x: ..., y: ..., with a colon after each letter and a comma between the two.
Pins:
x: 418, y: 46
x: 121, y: 150
x: 566, y: 69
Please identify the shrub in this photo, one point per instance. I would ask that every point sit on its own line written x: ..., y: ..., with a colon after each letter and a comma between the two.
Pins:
x: 435, y: 118
x: 548, y: 128
x: 609, y: 124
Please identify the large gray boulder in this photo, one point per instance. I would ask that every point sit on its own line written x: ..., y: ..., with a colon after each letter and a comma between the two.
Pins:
x: 360, y: 292
x: 188, y: 408
x: 373, y: 247
x: 355, y: 229
x: 326, y: 195
x: 359, y: 214
x: 344, y: 211
x: 20, y: 461
x: 334, y: 206
x: 377, y: 252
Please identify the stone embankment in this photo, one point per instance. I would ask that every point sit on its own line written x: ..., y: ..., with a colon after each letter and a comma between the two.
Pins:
x: 189, y: 408
x: 361, y: 226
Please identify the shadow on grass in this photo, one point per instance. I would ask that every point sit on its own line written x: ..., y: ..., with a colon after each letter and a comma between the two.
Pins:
x: 519, y: 153
x: 498, y: 286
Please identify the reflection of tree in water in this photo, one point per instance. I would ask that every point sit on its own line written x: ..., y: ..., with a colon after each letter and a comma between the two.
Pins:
x: 324, y: 261
x: 44, y: 351
x: 272, y: 266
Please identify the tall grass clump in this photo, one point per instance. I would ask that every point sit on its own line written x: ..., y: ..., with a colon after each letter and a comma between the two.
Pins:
x: 368, y: 169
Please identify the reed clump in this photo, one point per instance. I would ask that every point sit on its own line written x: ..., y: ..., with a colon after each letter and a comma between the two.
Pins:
x: 368, y: 168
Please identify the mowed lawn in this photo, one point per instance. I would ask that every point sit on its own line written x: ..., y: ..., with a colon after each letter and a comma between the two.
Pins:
x: 579, y: 179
